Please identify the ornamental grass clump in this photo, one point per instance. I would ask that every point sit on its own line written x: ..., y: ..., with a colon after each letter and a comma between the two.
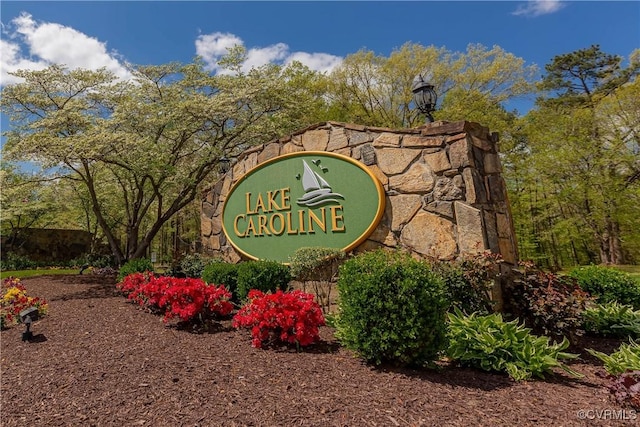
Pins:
x: 281, y: 317
x: 391, y: 308
x: 14, y: 300
x: 489, y: 343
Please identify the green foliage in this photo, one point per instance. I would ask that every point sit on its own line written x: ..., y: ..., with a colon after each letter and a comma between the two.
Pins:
x: 612, y: 319
x: 489, y: 343
x: 17, y: 262
x: 23, y: 274
x: 572, y: 167
x: 626, y: 358
x: 141, y: 147
x: 319, y: 267
x: 265, y: 276
x: 391, y: 309
x: 547, y: 303
x: 469, y: 281
x: 138, y: 265
x: 608, y: 284
x: 93, y: 260
x: 222, y: 273
x: 314, y: 263
x: 372, y: 89
x: 190, y: 265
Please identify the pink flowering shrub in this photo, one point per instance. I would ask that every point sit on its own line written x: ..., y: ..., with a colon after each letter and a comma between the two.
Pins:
x: 288, y: 317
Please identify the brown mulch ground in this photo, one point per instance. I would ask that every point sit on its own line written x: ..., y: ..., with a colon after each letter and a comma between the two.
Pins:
x: 98, y: 360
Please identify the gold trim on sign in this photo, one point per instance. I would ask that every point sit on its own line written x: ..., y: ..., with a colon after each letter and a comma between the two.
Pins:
x: 380, y: 190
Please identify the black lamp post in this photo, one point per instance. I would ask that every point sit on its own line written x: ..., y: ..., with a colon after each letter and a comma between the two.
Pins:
x: 225, y: 164
x: 424, y: 96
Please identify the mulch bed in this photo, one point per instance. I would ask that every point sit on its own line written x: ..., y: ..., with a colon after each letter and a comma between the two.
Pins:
x: 98, y: 360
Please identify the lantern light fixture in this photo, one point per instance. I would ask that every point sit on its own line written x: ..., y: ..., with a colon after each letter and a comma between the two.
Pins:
x: 424, y: 96
x: 225, y: 164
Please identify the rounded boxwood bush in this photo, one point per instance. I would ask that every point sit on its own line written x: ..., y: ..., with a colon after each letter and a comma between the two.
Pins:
x: 138, y: 265
x: 391, y: 309
x: 608, y: 284
x: 222, y: 273
x: 265, y: 276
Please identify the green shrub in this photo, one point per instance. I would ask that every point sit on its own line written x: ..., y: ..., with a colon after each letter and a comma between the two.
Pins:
x: 488, y: 342
x: 318, y: 266
x: 222, y: 273
x: 16, y: 262
x: 612, y: 320
x: 93, y: 260
x: 469, y: 281
x: 391, y: 309
x: 190, y: 265
x: 549, y: 304
x: 626, y: 358
x: 265, y: 276
x: 138, y: 265
x: 315, y: 263
x: 608, y: 284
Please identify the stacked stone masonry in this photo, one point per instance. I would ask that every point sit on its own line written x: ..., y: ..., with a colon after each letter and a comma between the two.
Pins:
x: 445, y: 195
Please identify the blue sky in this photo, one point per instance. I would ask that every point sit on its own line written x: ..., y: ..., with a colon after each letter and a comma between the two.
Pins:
x: 320, y: 33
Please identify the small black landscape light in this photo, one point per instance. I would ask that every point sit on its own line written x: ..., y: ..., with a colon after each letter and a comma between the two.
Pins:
x: 225, y: 164
x: 28, y: 316
x: 424, y: 96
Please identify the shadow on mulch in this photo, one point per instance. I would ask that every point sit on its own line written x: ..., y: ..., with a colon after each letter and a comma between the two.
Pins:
x: 98, y: 291
x: 199, y: 328
x: 320, y: 347
x: 37, y: 339
x: 450, y: 375
x: 601, y: 344
x: 82, y: 279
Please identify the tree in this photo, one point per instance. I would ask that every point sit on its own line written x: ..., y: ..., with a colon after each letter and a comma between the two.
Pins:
x: 582, y: 149
x: 376, y: 90
x: 141, y: 148
x: 27, y: 202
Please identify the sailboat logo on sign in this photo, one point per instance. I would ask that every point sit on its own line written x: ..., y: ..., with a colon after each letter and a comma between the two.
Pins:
x: 317, y: 190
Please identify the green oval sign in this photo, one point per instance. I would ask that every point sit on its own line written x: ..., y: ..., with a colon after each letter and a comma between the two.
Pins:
x: 303, y: 199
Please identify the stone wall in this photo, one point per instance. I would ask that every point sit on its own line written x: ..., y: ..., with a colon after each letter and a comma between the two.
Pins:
x: 49, y: 244
x: 445, y: 195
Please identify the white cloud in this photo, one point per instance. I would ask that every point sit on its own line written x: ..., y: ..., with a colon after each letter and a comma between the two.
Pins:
x: 28, y: 44
x: 10, y: 60
x: 212, y: 47
x: 539, y: 7
x: 50, y: 43
x: 258, y: 56
x: 322, y: 62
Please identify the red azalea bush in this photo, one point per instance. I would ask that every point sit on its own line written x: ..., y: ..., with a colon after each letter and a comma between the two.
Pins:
x: 189, y: 298
x: 289, y: 317
x: 182, y: 298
